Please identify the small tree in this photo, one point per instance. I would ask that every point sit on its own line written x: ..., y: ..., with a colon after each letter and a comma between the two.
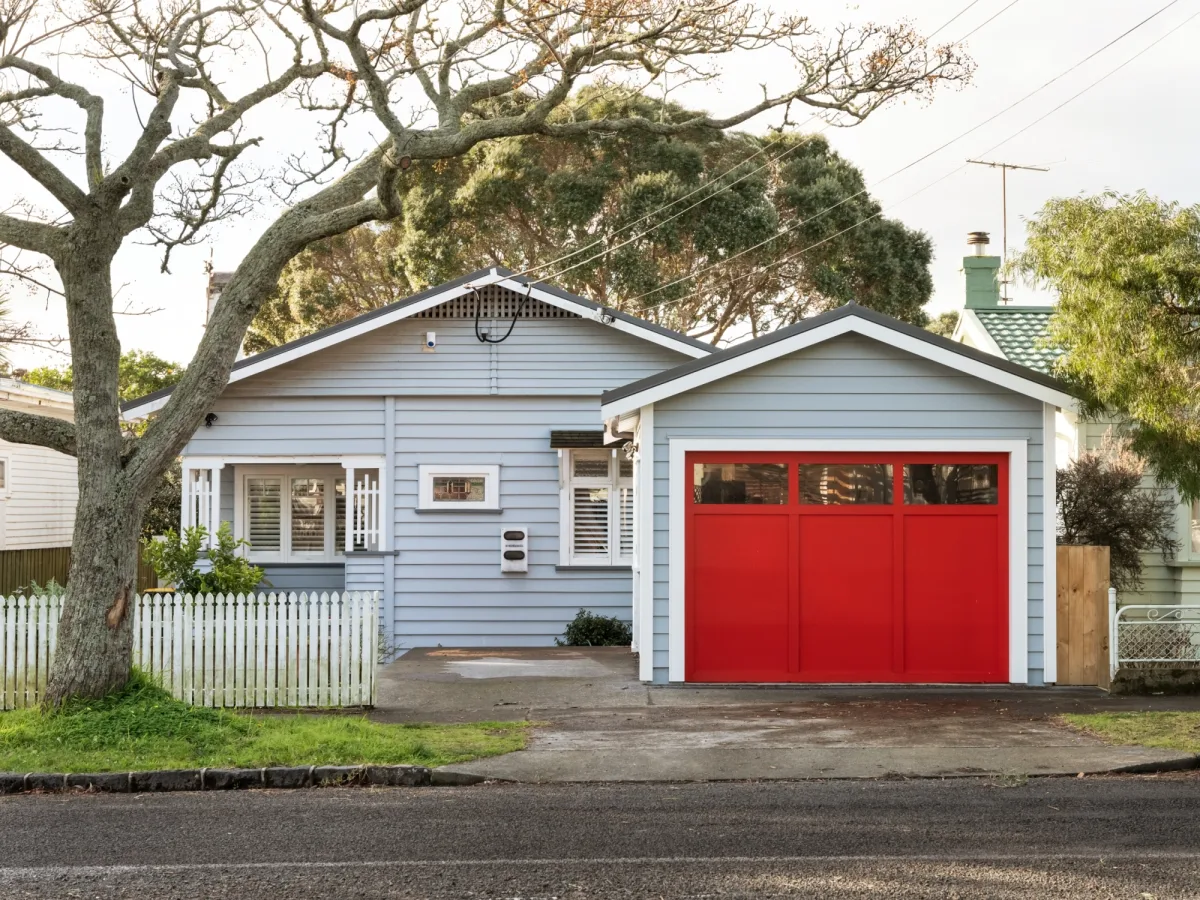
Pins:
x: 1102, y: 501
x: 175, y: 559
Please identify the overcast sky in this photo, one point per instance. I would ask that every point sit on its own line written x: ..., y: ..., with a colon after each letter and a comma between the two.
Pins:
x: 1136, y: 130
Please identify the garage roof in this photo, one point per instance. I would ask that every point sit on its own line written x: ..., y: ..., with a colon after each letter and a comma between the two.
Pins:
x: 850, y: 318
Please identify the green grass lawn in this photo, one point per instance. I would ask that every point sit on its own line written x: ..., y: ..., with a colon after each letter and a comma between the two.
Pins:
x: 1170, y: 730
x: 143, y: 727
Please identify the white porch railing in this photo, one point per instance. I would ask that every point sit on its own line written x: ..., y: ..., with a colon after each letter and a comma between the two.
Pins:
x: 264, y: 650
x: 1154, y: 636
x: 364, y: 531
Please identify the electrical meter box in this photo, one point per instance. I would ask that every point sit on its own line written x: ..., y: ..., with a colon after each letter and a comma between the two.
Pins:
x: 514, y: 549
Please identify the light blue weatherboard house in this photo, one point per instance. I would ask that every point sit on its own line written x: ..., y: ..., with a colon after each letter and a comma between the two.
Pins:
x: 453, y: 452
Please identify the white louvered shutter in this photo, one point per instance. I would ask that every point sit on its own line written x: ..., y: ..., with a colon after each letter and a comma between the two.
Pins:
x: 264, y: 504
x: 589, y: 510
x: 308, y: 516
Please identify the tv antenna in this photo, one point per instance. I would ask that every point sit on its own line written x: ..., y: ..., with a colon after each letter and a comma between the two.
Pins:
x: 1004, y: 167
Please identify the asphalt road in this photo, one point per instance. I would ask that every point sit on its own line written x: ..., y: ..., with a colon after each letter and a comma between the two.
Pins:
x: 1116, y: 837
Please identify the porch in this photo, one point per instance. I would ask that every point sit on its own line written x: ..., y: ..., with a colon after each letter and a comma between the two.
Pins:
x: 313, y: 523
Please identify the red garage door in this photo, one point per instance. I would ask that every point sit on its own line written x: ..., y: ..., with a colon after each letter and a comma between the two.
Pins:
x: 847, y: 567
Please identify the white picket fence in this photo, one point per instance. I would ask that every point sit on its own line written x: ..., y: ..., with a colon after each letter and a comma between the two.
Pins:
x: 263, y: 650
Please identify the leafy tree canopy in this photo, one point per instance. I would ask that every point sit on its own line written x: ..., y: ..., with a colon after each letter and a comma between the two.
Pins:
x: 1127, y: 272
x: 139, y: 372
x: 944, y: 323
x: 525, y: 201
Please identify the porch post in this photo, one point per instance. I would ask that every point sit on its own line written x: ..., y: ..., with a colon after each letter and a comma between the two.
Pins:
x: 185, y: 498
x: 214, y: 503
x: 352, y: 510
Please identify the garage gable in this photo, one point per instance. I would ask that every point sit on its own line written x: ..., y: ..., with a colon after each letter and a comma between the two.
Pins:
x: 849, y: 319
x: 855, y: 398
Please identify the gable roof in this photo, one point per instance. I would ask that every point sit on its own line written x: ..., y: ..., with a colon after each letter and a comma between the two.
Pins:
x: 426, y: 299
x: 1019, y: 334
x: 847, y: 319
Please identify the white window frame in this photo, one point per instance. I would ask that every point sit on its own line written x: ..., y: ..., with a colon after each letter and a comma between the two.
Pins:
x: 1188, y: 553
x: 6, y: 463
x: 491, y: 487
x: 335, y: 550
x: 615, y: 483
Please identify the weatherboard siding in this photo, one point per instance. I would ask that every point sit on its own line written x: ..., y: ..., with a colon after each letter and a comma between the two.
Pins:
x: 556, y: 356
x: 849, y: 388
x: 449, y: 590
x: 37, y: 509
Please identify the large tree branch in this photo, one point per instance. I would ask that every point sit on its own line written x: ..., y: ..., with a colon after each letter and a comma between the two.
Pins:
x: 36, y: 237
x: 41, y: 170
x: 336, y: 209
x: 43, y: 431
x: 92, y: 105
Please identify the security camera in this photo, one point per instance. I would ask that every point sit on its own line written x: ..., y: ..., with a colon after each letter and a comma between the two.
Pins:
x: 430, y: 341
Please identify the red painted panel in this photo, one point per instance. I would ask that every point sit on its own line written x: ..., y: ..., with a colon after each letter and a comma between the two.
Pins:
x: 846, y: 597
x: 738, y: 600
x: 955, y: 624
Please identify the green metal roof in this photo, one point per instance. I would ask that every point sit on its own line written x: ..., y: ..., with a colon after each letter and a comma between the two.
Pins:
x: 1020, y: 333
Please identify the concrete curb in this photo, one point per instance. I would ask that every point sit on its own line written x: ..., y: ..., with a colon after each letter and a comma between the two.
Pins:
x: 481, y: 771
x: 284, y: 777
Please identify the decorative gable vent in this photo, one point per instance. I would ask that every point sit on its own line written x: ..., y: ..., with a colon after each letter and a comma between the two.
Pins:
x: 495, y: 302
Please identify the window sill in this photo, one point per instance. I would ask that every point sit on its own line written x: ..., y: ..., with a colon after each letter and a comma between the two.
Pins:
x: 457, y: 512
x: 614, y: 569
x: 358, y: 553
x: 1183, y: 563
x: 297, y: 562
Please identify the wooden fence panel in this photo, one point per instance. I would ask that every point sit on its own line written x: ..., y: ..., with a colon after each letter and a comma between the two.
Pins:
x: 21, y: 568
x: 260, y: 650
x: 1082, y: 614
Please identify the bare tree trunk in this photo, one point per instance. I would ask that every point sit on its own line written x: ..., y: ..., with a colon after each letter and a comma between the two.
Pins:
x: 95, y: 638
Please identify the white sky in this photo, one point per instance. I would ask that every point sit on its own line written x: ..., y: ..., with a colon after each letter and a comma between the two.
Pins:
x: 1134, y: 131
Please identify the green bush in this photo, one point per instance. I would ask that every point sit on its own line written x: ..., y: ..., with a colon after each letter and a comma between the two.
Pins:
x: 590, y: 630
x: 174, y: 560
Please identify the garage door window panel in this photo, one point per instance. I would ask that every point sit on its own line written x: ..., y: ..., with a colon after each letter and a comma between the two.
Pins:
x: 951, y: 484
x: 846, y: 484
x: 740, y: 484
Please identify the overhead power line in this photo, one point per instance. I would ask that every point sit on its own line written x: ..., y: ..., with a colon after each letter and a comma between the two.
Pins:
x: 926, y: 156
x: 948, y: 174
x: 954, y: 18
x: 988, y: 20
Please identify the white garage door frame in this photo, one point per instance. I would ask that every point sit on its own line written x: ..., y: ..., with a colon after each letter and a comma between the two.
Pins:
x: 1018, y: 532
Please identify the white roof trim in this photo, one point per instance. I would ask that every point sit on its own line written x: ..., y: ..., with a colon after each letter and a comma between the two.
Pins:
x: 980, y: 338
x: 847, y: 324
x: 411, y: 309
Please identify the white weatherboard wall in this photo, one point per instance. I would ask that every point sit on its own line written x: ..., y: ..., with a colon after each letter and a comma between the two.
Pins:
x: 37, y: 507
x: 851, y: 388
x: 467, y: 403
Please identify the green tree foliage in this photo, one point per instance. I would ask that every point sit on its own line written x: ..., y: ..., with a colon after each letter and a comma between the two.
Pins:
x: 329, y: 282
x: 140, y: 372
x: 1102, y: 501
x: 1127, y: 272
x: 175, y: 559
x: 525, y: 201
x: 944, y: 323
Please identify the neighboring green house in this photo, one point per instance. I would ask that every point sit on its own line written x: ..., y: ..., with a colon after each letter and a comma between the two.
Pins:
x: 1018, y: 333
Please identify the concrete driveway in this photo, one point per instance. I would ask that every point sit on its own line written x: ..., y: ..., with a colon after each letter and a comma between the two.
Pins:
x: 597, y: 722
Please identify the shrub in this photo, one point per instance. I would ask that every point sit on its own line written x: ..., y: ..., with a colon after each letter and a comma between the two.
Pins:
x: 590, y: 630
x: 174, y: 559
x: 1101, y: 501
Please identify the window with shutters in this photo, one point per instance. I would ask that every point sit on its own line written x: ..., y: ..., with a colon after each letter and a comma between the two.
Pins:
x: 295, y: 517
x: 597, y: 506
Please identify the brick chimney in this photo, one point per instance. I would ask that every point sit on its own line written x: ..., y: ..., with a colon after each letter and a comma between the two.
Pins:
x: 982, y: 274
